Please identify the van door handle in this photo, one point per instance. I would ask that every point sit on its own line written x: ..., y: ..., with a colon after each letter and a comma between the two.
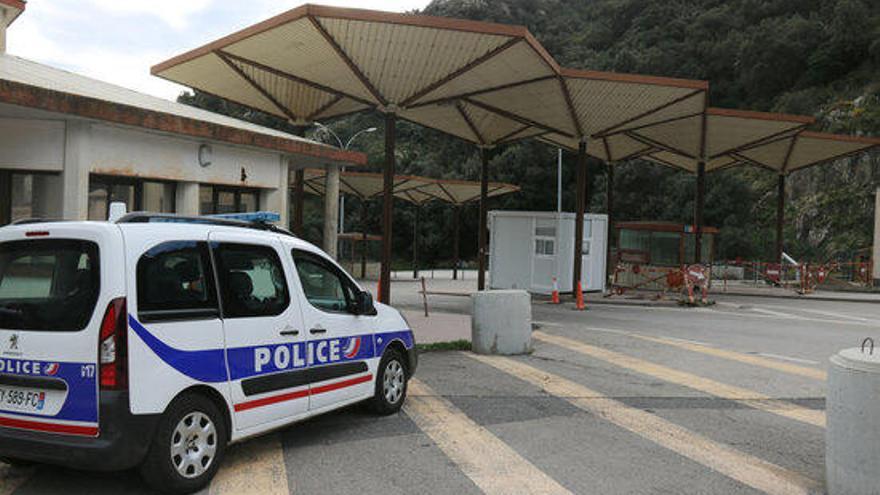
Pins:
x: 316, y: 331
x: 290, y: 333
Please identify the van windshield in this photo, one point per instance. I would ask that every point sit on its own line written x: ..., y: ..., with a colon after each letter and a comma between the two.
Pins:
x: 48, y: 284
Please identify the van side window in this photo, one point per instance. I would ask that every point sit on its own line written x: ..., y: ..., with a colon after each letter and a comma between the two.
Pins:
x: 252, y: 281
x: 175, y: 281
x: 325, y: 287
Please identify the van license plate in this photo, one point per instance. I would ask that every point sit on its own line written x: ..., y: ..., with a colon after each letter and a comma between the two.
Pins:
x: 21, y: 399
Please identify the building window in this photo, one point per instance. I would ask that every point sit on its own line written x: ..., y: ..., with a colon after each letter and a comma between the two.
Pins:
x: 137, y: 194
x: 217, y: 199
x: 26, y: 195
x: 545, y: 237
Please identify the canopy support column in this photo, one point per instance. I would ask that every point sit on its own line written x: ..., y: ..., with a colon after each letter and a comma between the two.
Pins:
x: 331, y: 210
x: 363, y: 239
x: 298, y: 201
x: 698, y: 212
x: 456, y: 221
x: 609, y: 209
x: 581, y: 203
x: 780, y: 217
x: 416, y: 244
x: 388, y: 206
x: 484, y: 219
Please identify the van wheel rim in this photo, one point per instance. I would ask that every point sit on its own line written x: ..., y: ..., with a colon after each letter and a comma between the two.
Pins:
x: 394, y: 380
x: 193, y: 445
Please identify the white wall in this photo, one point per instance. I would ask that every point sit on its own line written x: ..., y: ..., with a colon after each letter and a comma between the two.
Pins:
x: 119, y: 151
x: 33, y: 145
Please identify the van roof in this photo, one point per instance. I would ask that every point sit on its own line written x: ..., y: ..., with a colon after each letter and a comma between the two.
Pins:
x: 172, y: 229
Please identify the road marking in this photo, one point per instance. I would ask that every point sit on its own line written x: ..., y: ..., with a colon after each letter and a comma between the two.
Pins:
x: 12, y: 479
x: 821, y: 312
x: 256, y: 466
x: 743, y: 396
x: 547, y: 324
x: 749, y: 470
x: 707, y: 348
x: 490, y: 463
x: 740, y: 357
x: 789, y: 358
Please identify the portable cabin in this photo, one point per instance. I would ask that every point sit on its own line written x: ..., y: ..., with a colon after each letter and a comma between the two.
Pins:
x: 529, y: 248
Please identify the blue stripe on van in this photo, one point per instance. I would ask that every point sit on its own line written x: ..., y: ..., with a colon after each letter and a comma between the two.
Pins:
x: 244, y: 362
x: 205, y: 366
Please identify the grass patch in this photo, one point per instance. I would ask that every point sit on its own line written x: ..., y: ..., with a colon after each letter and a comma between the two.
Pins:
x: 455, y: 345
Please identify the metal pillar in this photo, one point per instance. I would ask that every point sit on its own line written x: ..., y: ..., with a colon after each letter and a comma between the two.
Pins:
x: 416, y: 244
x: 581, y: 203
x: 364, y: 244
x: 780, y: 217
x: 484, y: 217
x: 609, y: 209
x: 698, y: 212
x: 456, y: 259
x: 388, y: 206
x: 298, y: 202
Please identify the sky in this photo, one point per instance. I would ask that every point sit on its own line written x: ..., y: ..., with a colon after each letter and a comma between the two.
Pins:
x: 119, y: 40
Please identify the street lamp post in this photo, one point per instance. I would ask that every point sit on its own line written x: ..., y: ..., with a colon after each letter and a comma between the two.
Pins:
x: 344, y: 147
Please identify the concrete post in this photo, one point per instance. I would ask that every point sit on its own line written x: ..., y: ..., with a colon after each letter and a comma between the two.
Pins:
x: 186, y: 200
x: 75, y: 178
x: 876, y: 254
x: 501, y: 322
x: 331, y: 210
x: 277, y: 200
x: 3, y: 26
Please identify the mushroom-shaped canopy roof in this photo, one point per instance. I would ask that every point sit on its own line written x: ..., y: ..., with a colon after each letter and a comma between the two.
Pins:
x: 414, y: 189
x: 485, y: 83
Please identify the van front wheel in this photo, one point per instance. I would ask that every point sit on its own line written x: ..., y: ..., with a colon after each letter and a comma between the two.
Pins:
x: 391, y: 384
x: 188, y: 447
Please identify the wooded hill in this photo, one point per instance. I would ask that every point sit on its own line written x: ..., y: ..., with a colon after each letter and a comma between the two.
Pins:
x: 812, y: 57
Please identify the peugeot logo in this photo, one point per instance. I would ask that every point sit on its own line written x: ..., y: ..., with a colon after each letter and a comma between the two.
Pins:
x: 13, y: 342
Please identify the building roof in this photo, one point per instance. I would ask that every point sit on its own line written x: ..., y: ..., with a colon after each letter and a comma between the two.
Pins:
x: 485, y: 83
x: 16, y: 6
x: 30, y: 84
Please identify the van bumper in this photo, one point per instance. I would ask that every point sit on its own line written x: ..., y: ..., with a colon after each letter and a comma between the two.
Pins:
x: 122, y: 443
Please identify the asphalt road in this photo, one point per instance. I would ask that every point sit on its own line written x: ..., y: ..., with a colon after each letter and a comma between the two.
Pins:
x: 728, y: 399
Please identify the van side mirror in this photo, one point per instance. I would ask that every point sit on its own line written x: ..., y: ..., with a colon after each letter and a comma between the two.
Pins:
x: 363, y: 304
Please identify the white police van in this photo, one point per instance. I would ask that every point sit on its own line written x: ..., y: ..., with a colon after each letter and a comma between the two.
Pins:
x: 156, y: 340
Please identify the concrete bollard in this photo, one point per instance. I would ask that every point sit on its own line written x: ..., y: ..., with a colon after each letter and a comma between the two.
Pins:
x: 852, y: 442
x: 501, y: 322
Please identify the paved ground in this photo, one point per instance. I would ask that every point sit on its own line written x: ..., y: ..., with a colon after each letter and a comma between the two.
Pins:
x: 617, y: 399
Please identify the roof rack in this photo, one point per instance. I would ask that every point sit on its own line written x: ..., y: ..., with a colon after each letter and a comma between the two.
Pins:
x: 29, y: 221
x: 147, y: 217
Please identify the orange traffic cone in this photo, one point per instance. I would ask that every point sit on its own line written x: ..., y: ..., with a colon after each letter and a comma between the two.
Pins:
x: 580, y: 297
x: 555, y: 295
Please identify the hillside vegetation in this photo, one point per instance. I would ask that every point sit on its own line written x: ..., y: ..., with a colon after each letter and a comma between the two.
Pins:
x: 812, y: 57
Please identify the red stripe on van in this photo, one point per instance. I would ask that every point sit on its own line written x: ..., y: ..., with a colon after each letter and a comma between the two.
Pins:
x: 299, y: 394
x: 85, y: 431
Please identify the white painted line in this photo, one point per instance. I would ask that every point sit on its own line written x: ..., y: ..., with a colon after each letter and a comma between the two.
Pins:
x: 491, y: 464
x: 779, y: 314
x: 823, y: 313
x: 788, y: 358
x: 547, y: 324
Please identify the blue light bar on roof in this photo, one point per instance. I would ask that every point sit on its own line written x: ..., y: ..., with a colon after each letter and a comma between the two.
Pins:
x: 258, y: 216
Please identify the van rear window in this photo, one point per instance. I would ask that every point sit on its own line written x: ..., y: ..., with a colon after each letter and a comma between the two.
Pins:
x: 48, y: 284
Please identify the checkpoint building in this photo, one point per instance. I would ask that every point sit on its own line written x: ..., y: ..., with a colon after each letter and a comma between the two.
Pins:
x: 69, y: 145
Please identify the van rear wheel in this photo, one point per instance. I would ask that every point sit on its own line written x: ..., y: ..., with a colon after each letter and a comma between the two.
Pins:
x: 391, y: 384
x: 188, y: 447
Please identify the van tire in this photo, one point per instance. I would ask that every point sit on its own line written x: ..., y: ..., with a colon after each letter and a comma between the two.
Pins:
x: 388, y: 400
x: 158, y: 468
